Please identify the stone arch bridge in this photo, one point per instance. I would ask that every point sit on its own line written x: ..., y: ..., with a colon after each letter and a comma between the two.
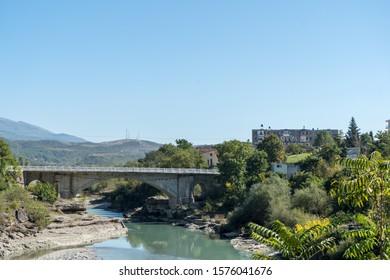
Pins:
x: 177, y: 183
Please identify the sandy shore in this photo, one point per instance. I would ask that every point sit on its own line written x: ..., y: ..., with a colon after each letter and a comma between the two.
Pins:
x: 70, y: 254
x: 66, y: 231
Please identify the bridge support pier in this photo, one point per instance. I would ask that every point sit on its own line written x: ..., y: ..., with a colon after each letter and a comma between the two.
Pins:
x: 178, y: 184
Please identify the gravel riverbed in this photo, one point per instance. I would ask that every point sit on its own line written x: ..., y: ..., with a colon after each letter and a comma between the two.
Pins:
x: 70, y: 254
x: 65, y: 231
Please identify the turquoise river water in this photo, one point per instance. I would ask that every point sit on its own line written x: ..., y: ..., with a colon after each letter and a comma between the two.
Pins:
x: 154, y: 241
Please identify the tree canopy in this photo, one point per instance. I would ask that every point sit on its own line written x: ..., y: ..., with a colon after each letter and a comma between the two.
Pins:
x: 239, y: 166
x: 232, y: 161
x: 184, y: 155
x: 352, y: 137
x: 8, y: 166
x: 383, y: 143
x: 324, y: 139
x: 274, y: 148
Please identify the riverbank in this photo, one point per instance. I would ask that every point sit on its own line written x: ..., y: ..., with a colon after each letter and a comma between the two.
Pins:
x: 65, y: 231
x: 70, y: 254
x: 80, y: 229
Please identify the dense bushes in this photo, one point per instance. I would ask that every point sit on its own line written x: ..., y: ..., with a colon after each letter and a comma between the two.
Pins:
x: 15, y: 198
x: 268, y: 201
x: 44, y: 192
x: 130, y: 194
x: 8, y: 167
x: 183, y: 155
x: 312, y: 199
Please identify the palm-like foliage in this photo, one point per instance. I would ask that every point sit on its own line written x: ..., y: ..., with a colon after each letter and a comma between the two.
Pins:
x: 369, y: 183
x: 366, y: 240
x: 293, y: 244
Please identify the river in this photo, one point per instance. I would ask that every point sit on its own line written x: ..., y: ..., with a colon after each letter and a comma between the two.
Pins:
x: 156, y: 241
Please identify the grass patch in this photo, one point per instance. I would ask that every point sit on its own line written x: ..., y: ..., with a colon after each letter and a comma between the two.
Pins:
x: 297, y: 158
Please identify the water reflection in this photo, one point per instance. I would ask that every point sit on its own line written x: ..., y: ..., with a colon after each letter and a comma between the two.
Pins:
x: 151, y: 241
x: 162, y: 239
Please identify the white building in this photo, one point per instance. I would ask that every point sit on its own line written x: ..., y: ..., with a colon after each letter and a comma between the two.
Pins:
x: 210, y: 154
x: 287, y: 169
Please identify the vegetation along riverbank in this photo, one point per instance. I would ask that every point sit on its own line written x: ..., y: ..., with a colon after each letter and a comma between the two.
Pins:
x: 334, y: 206
x: 70, y: 226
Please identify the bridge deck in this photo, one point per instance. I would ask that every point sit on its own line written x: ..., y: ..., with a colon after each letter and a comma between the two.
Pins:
x: 71, y: 169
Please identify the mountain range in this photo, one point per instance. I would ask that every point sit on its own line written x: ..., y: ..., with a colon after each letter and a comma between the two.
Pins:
x: 38, y: 146
x: 22, y: 131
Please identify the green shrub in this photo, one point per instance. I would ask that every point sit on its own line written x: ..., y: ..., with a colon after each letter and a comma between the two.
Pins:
x: 44, y: 192
x: 312, y: 199
x: 3, y: 185
x: 3, y: 207
x: 263, y: 203
x: 38, y: 214
x: 198, y: 192
x: 131, y: 194
x: 268, y: 201
x: 289, y: 216
x: 303, y: 180
x: 96, y: 188
x: 15, y: 198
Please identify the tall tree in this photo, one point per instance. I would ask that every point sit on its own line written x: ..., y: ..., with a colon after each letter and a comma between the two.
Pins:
x: 368, y: 143
x: 8, y: 166
x: 274, y: 148
x: 368, y: 185
x: 339, y: 140
x: 383, y: 143
x: 183, y: 144
x: 232, y: 165
x: 256, y: 165
x: 184, y: 155
x: 232, y: 161
x: 352, y: 138
x: 328, y: 149
x: 324, y: 139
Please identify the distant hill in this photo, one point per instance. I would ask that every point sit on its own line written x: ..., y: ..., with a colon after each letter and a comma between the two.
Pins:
x: 78, y: 154
x: 21, y: 131
x: 39, y: 146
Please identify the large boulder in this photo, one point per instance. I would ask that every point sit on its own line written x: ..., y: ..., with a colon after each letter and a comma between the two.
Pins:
x: 21, y: 215
x: 69, y: 207
x: 157, y: 205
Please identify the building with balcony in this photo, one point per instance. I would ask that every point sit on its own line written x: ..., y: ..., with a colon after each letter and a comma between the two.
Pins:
x: 290, y: 136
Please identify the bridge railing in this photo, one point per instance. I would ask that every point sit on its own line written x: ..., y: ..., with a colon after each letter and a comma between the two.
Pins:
x: 118, y: 169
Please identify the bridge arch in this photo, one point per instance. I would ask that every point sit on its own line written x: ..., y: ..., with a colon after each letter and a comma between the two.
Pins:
x: 177, y: 184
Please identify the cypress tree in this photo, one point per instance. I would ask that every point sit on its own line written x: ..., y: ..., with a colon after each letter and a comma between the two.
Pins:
x: 352, y: 138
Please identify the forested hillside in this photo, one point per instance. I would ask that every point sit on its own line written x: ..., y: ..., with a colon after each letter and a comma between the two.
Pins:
x: 90, y: 154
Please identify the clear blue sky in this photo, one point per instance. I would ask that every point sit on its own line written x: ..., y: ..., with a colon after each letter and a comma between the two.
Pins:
x: 202, y: 70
